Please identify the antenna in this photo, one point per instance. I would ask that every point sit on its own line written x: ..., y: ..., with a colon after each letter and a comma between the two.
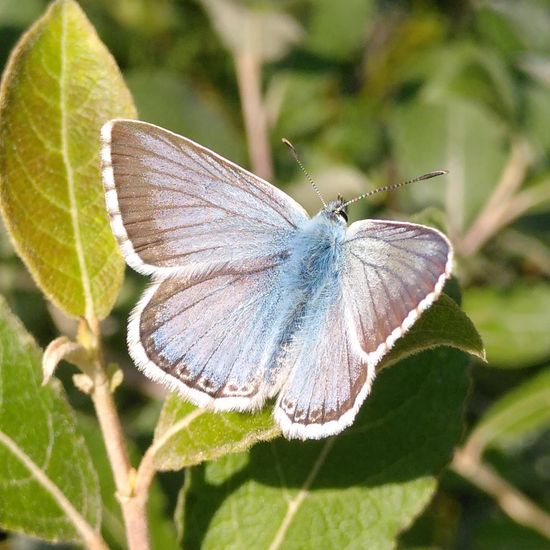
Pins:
x: 309, y: 178
x: 393, y: 186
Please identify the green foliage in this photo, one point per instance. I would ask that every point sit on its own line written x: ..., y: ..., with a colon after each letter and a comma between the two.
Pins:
x: 444, y: 324
x: 369, y: 93
x: 59, y: 87
x: 186, y: 435
x: 452, y: 136
x: 514, y: 418
x: 338, y: 33
x: 518, y: 335
x: 48, y: 485
x: 357, y: 490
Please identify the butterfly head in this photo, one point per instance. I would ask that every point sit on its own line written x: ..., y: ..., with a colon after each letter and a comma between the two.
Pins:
x: 337, y: 210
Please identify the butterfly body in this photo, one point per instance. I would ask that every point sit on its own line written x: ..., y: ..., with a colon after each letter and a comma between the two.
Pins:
x: 308, y: 280
x: 250, y: 298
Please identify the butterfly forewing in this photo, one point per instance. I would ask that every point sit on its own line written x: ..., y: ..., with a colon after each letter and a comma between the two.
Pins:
x: 392, y: 272
x: 176, y: 207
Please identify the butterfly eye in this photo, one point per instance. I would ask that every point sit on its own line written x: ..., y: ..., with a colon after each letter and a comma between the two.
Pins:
x: 343, y: 214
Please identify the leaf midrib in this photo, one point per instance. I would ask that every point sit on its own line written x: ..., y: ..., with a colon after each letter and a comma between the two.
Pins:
x: 81, y: 525
x: 73, y: 208
x: 294, y: 504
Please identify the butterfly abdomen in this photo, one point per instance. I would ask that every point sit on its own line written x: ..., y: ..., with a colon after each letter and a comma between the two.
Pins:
x: 309, y: 282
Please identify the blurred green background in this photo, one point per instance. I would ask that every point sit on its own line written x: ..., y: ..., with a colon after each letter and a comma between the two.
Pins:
x: 369, y: 92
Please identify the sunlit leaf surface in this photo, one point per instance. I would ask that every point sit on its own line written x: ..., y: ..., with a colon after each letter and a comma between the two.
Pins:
x: 60, y: 86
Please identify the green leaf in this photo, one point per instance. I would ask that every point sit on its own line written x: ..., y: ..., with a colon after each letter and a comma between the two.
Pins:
x: 513, y: 323
x: 450, y: 133
x: 529, y: 21
x: 60, y: 86
x: 186, y: 435
x: 444, y: 324
x: 356, y: 490
x: 48, y: 486
x: 464, y: 70
x: 515, y: 417
x: 301, y: 101
x: 176, y: 105
x: 340, y: 29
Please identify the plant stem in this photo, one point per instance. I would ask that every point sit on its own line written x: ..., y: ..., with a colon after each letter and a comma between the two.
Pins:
x: 514, y: 503
x: 248, y: 67
x: 132, y: 502
x: 145, y: 472
x: 493, y: 216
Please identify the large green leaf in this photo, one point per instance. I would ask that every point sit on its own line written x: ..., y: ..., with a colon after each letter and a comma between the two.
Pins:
x: 186, y: 435
x: 513, y: 323
x: 516, y: 416
x: 456, y: 135
x: 48, y: 486
x: 357, y: 490
x: 60, y: 86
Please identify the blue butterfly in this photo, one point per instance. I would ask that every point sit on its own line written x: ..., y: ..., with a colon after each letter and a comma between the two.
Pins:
x: 251, y: 298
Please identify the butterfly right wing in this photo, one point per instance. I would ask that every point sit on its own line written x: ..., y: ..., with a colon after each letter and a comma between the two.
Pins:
x: 390, y: 273
x: 211, y: 337
x: 178, y: 208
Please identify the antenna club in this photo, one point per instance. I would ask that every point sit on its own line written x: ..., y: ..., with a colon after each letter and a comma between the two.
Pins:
x: 289, y: 145
x: 423, y: 177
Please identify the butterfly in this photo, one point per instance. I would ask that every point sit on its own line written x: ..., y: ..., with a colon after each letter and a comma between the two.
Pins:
x: 252, y: 299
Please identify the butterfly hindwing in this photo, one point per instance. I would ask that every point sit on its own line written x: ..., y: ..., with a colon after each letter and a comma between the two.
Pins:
x: 178, y: 208
x: 209, y: 337
x: 327, y: 372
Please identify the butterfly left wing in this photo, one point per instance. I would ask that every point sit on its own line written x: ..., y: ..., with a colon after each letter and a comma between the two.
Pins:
x: 210, y: 337
x: 177, y: 208
x: 390, y: 273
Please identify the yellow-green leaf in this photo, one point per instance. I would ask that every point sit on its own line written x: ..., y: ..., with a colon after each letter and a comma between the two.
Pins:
x: 186, y: 435
x: 60, y: 85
